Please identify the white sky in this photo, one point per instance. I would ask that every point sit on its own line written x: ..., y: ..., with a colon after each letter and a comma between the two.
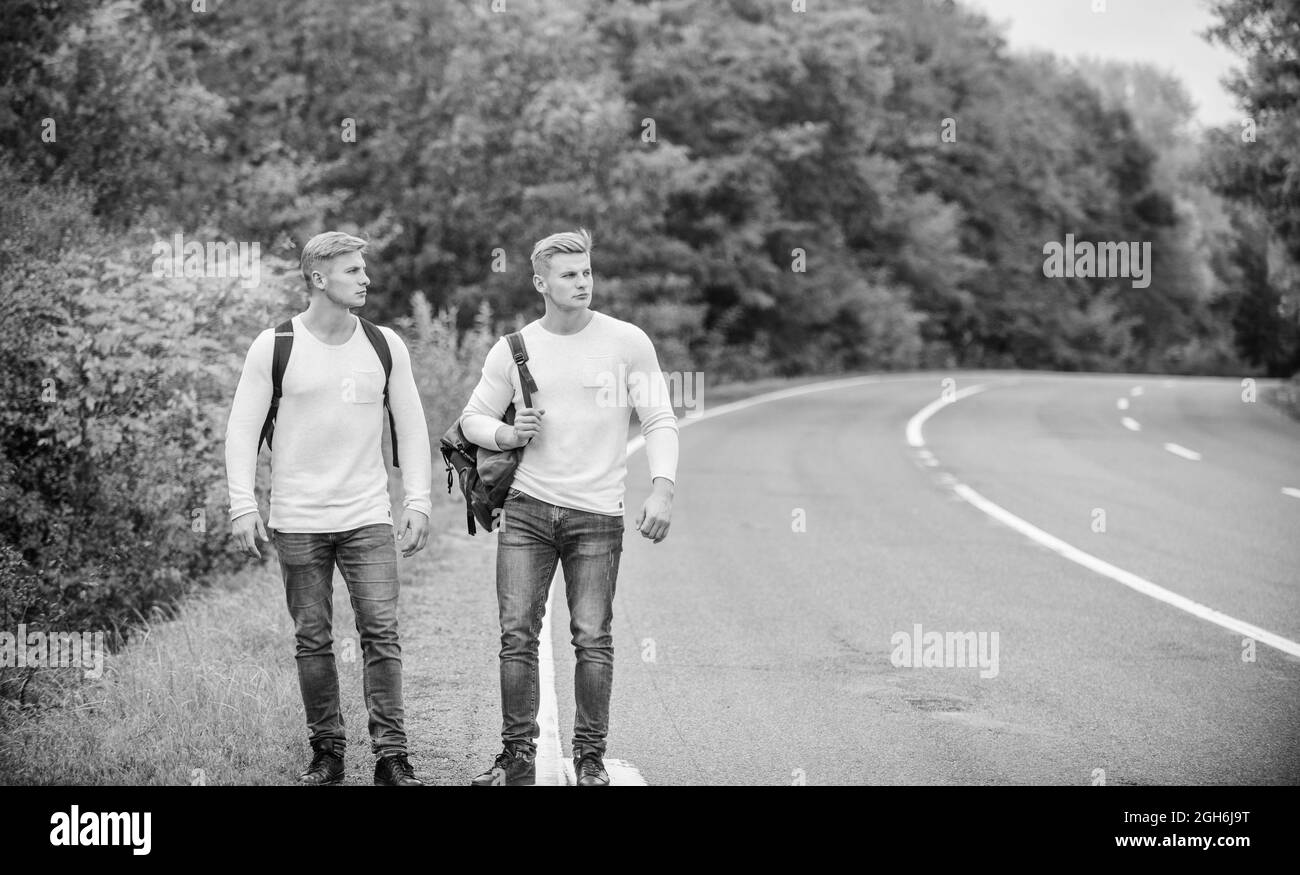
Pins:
x: 1164, y: 33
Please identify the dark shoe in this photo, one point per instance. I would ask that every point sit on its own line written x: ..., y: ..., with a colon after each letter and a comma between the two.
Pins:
x: 590, y: 770
x: 326, y: 766
x: 394, y: 771
x: 513, y: 768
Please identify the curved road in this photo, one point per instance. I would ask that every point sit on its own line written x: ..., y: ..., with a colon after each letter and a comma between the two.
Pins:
x: 752, y: 652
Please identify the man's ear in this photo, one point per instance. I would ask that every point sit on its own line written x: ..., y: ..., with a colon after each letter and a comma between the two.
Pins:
x: 538, y: 283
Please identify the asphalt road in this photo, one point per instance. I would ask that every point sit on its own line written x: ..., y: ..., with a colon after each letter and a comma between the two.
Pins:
x: 749, y: 652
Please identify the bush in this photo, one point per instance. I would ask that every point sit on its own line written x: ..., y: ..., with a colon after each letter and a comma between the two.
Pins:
x: 112, y: 419
x: 447, y: 364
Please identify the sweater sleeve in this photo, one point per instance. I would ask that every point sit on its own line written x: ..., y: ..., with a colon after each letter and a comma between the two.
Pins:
x: 649, y: 395
x: 491, y: 397
x: 244, y: 427
x: 412, y: 429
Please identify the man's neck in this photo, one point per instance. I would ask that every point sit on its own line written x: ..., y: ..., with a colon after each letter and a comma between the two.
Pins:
x: 566, y: 321
x: 331, y: 323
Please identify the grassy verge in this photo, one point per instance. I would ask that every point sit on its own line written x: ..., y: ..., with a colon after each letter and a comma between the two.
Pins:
x: 1287, y: 396
x: 212, y: 695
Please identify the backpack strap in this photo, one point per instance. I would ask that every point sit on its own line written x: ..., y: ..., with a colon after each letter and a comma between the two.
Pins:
x: 279, y: 362
x: 380, y: 343
x: 520, y: 354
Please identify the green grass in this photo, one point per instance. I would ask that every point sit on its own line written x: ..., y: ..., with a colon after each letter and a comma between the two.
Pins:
x: 210, y: 695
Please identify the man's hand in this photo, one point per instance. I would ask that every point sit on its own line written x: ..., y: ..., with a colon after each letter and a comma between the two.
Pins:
x: 528, y: 423
x: 415, y: 524
x: 657, y: 511
x: 247, y: 529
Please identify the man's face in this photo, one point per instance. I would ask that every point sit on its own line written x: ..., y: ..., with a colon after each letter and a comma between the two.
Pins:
x: 568, y: 281
x: 345, y: 279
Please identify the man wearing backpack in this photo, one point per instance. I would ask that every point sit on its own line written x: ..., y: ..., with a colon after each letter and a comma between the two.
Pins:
x: 566, y: 504
x: 329, y: 492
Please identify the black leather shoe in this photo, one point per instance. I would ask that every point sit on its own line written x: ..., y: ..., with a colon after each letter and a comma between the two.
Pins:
x: 512, y: 768
x: 394, y: 771
x: 590, y: 770
x: 326, y: 766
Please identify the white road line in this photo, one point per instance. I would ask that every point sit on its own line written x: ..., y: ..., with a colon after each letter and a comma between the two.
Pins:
x: 916, y: 422
x: 1127, y: 578
x: 1291, y: 491
x: 550, y: 753
x: 1184, y: 452
x: 1130, y: 423
x: 1122, y: 404
x: 1136, y: 391
x: 1100, y: 566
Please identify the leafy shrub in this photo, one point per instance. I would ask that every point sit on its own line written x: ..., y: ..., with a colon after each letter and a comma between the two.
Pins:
x: 112, y: 419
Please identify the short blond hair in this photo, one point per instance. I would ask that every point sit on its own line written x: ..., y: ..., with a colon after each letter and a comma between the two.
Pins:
x: 578, y: 241
x: 325, y: 246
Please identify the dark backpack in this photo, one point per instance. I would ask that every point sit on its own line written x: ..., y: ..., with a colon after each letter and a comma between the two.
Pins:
x: 485, y: 475
x: 280, y: 361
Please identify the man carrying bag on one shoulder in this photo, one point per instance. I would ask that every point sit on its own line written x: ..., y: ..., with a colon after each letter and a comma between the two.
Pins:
x: 565, y: 506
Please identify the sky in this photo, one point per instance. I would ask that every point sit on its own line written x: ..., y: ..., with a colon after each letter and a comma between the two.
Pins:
x: 1165, y: 33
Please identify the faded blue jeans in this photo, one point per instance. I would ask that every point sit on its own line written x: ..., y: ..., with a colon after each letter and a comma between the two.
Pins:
x: 367, y: 558
x: 533, y: 537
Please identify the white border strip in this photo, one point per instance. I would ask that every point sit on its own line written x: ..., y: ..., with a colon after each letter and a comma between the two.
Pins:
x: 550, y: 753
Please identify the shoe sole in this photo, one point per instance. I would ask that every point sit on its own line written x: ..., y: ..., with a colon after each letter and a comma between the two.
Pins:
x: 321, y: 783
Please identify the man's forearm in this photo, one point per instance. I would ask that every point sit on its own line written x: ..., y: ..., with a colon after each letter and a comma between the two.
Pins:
x: 505, y: 437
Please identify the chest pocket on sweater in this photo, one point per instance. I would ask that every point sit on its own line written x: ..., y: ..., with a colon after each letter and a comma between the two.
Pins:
x: 599, y: 370
x: 363, y: 386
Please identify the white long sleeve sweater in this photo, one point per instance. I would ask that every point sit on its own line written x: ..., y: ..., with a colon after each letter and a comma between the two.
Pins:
x: 327, y: 466
x: 588, y: 382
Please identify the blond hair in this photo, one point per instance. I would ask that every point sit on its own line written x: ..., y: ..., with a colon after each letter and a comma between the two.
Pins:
x: 325, y: 246
x: 578, y: 241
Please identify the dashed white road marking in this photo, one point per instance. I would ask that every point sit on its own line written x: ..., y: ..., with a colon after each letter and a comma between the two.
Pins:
x: 1291, y: 491
x: 1122, y: 404
x: 1136, y: 391
x: 1184, y: 452
x: 1130, y: 423
x: 1100, y: 566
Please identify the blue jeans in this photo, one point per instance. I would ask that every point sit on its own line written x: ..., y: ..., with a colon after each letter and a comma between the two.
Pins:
x: 534, y: 535
x: 367, y: 558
